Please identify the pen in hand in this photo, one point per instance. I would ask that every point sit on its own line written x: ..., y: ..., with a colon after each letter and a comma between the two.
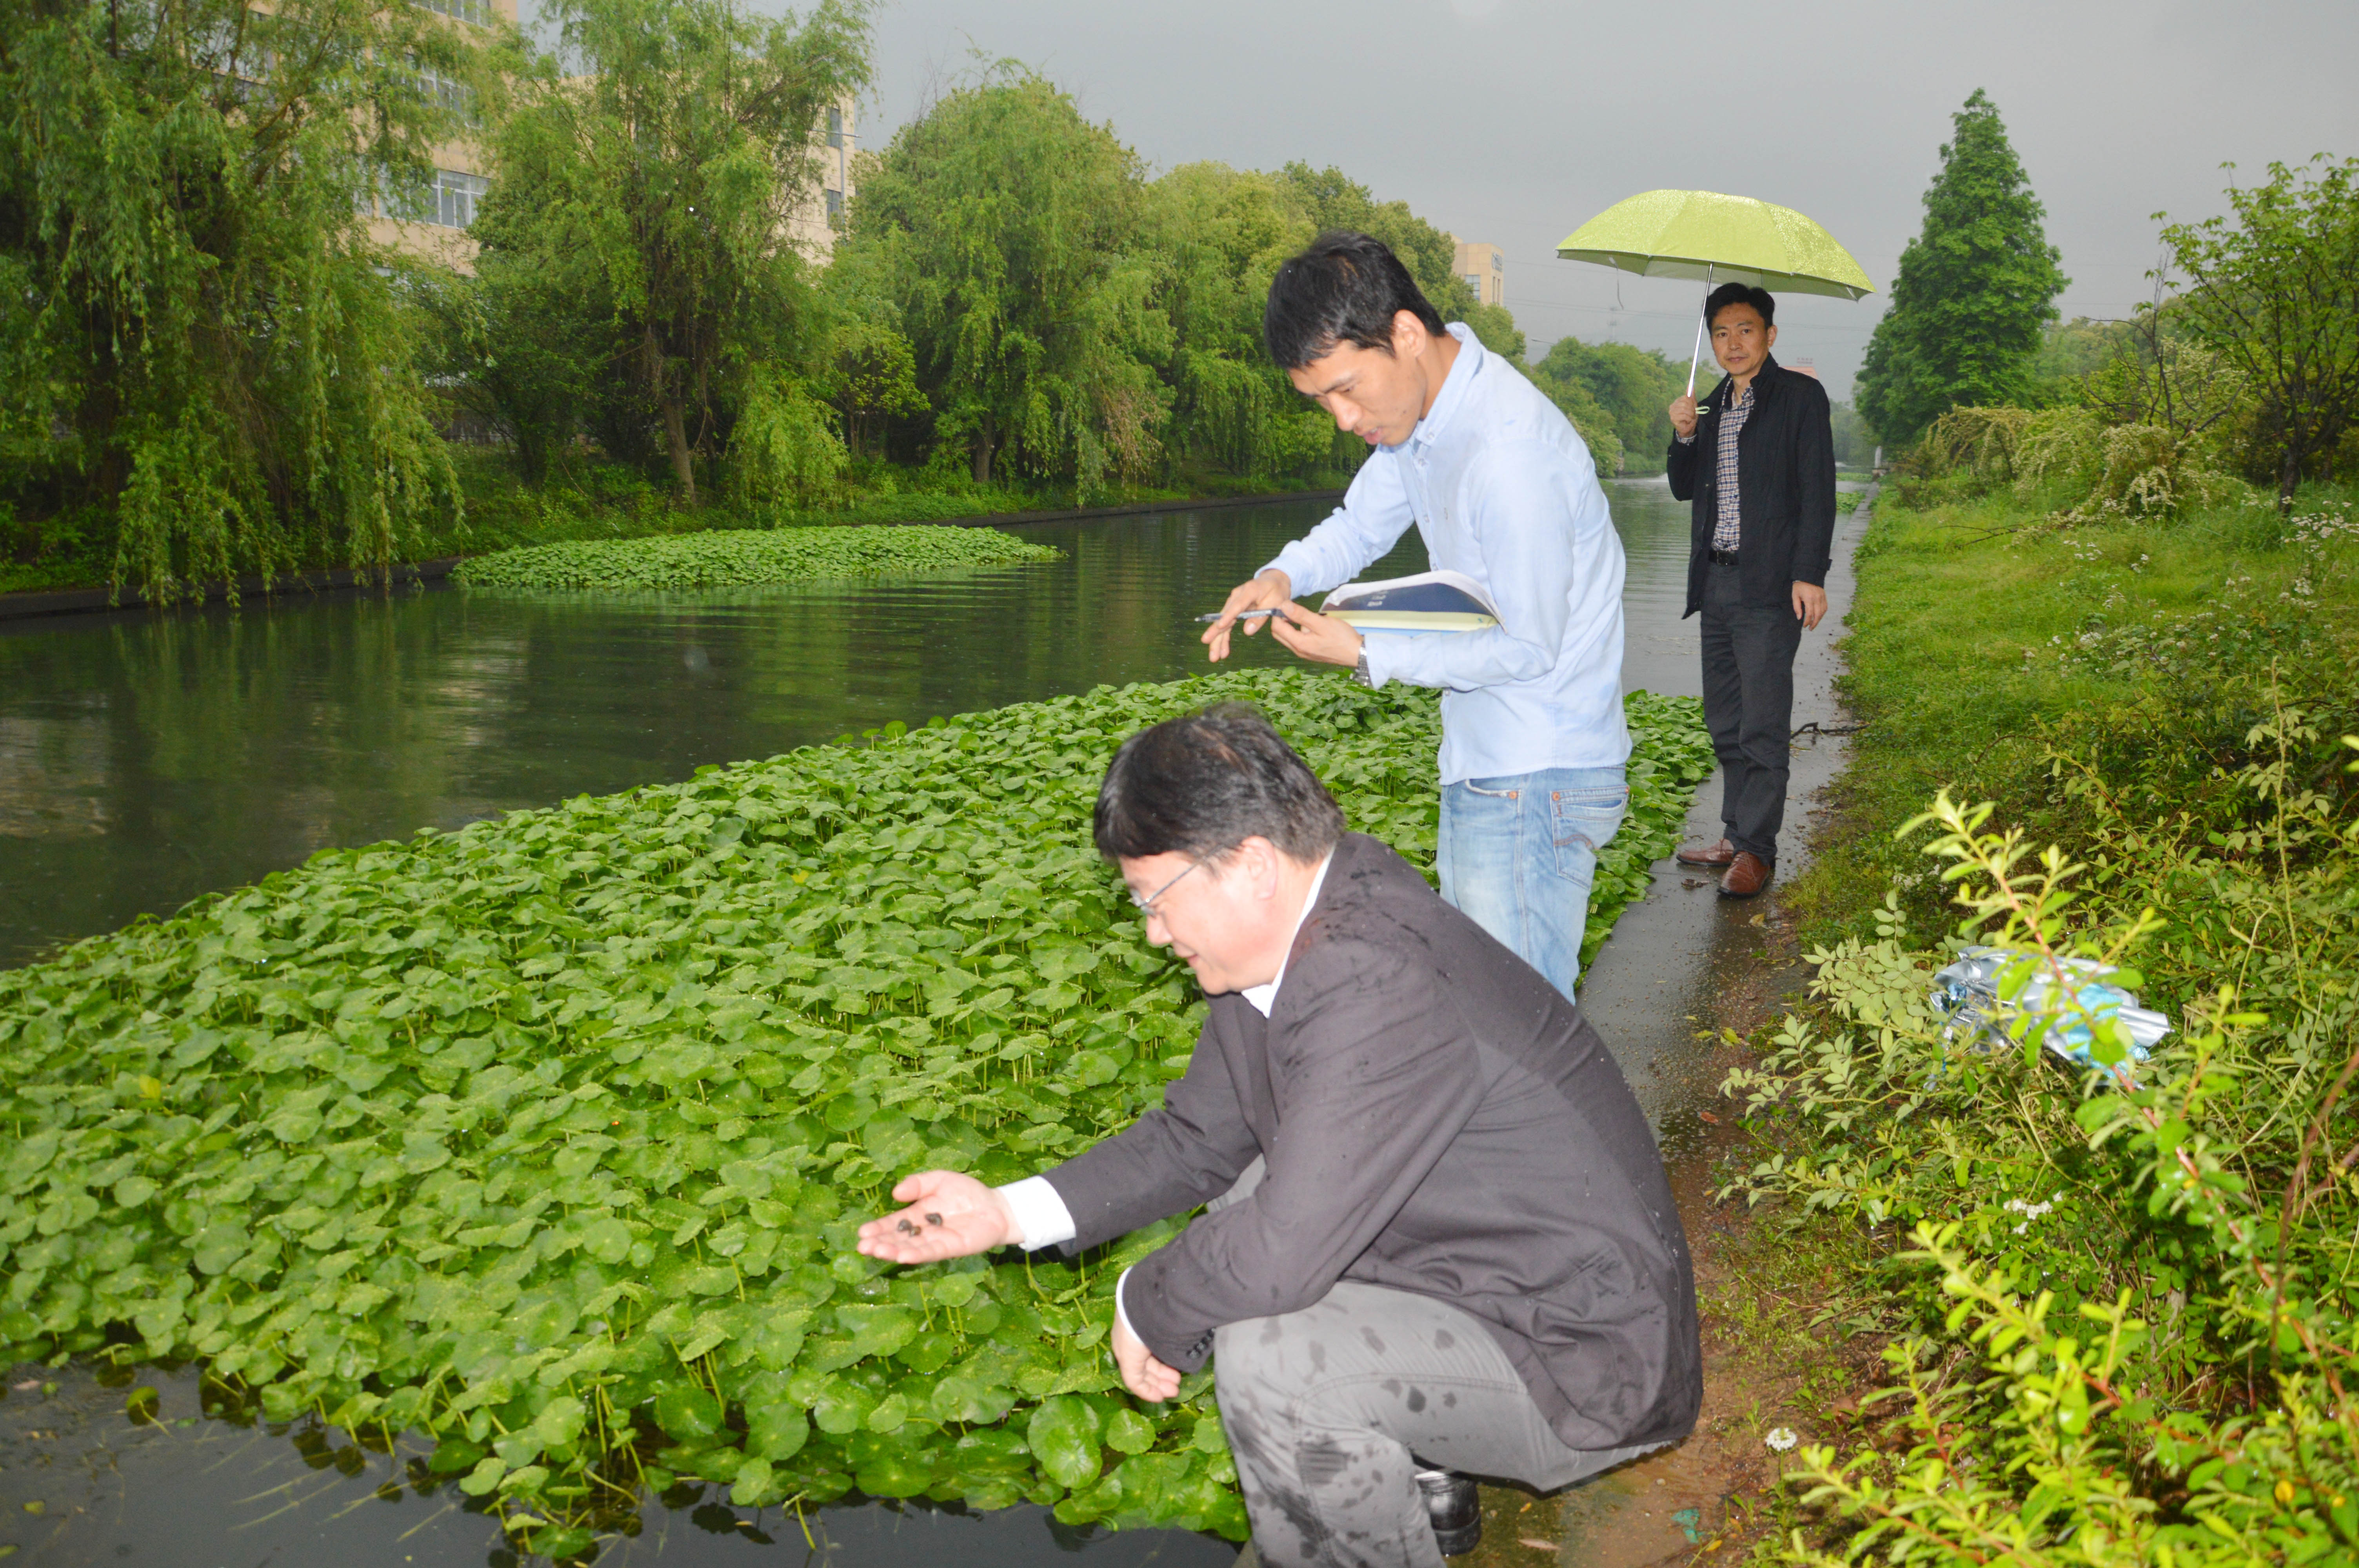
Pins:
x: 1242, y: 615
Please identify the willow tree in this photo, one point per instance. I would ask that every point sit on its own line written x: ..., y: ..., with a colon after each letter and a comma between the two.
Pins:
x: 649, y: 173
x: 1330, y: 198
x: 201, y: 347
x: 1004, y: 229
x: 1220, y: 234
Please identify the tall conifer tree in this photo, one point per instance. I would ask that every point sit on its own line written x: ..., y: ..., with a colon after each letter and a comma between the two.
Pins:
x: 1973, y: 290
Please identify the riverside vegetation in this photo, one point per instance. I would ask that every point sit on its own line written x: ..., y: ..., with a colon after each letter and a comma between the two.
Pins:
x: 1018, y: 311
x: 743, y: 560
x: 547, y: 1139
x: 2113, y: 1308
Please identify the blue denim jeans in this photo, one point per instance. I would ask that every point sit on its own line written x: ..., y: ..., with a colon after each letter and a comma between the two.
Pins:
x: 1518, y: 855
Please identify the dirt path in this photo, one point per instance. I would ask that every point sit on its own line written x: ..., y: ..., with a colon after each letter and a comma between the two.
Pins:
x: 1683, y: 968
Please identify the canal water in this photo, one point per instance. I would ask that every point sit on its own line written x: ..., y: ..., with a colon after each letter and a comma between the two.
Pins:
x: 147, y: 759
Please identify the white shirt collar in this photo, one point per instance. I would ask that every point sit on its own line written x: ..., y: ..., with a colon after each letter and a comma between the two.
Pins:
x: 1455, y: 387
x: 1265, y: 997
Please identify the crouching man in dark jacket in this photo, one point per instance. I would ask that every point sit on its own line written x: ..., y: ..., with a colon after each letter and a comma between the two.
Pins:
x: 1440, y: 1233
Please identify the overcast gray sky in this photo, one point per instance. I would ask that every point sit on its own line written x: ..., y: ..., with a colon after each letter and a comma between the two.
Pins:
x: 1514, y: 121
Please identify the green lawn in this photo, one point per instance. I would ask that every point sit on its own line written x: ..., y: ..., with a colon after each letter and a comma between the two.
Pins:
x: 1979, y: 635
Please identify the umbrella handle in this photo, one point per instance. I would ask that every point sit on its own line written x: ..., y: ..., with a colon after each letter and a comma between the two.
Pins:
x: 1696, y: 358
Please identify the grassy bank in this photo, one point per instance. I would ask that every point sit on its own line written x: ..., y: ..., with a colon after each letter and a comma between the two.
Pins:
x: 1982, y: 639
x: 547, y: 1138
x: 2114, y: 1307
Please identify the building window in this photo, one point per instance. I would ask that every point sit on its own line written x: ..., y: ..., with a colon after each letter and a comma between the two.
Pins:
x: 449, y: 91
x: 476, y: 11
x: 835, y: 128
x: 834, y: 205
x: 1474, y: 282
x: 450, y: 201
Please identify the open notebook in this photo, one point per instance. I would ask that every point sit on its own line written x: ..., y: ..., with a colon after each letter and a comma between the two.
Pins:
x: 1429, y: 601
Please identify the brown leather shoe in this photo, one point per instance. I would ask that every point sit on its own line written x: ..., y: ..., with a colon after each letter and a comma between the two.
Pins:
x: 1746, y: 875
x: 1715, y: 854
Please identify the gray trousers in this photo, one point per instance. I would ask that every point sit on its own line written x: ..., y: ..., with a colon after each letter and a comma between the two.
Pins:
x: 1329, y: 1411
x: 1748, y: 706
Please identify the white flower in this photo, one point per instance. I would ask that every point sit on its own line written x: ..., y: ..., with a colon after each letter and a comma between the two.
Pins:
x: 1781, y: 1438
x: 2030, y: 1211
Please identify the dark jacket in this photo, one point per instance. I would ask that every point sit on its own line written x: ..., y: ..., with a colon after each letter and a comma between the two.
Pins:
x: 1436, y: 1119
x: 1785, y: 486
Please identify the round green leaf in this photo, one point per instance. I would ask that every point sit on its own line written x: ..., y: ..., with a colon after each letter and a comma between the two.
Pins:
x: 1063, y: 1434
x: 776, y: 1431
x: 454, y: 1454
x: 687, y: 1411
x: 608, y: 1239
x: 1127, y: 1432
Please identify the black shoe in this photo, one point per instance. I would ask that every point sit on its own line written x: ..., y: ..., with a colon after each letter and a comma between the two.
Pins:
x: 1455, y: 1508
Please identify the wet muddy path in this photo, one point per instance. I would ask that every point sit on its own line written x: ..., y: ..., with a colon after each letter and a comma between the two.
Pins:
x: 1683, y: 966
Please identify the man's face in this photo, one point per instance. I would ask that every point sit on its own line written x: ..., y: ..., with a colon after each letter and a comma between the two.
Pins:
x: 1212, y: 917
x: 1741, y: 339
x: 1375, y: 396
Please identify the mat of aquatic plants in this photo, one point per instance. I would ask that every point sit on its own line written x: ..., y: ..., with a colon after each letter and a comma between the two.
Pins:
x: 546, y: 1139
x: 747, y: 557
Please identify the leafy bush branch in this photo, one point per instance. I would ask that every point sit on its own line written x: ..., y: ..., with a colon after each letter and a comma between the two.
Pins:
x: 2146, y: 1261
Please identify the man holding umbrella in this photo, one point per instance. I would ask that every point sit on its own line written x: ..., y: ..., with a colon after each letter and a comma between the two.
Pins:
x: 1756, y: 462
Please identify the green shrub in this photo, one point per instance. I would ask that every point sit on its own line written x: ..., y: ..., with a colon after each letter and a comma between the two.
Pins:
x: 745, y: 557
x: 785, y: 451
x: 2139, y: 471
x: 548, y: 1137
x: 2118, y: 1303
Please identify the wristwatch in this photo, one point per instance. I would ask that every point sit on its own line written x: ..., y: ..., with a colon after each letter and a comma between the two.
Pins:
x: 1360, y: 667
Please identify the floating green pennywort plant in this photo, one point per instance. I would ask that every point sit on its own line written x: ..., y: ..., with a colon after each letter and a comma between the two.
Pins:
x: 547, y: 1138
x: 747, y: 557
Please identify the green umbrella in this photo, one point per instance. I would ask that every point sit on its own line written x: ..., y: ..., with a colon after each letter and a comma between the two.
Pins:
x: 1724, y: 239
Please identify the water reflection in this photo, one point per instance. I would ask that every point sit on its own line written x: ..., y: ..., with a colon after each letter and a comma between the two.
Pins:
x: 145, y: 760
x: 83, y: 1484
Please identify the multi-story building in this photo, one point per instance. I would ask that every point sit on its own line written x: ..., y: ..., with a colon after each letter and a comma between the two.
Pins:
x: 816, y: 222
x: 437, y: 229
x: 1485, y: 268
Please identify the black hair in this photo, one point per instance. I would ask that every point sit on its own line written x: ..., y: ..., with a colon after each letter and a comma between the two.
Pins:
x: 1751, y: 294
x: 1204, y: 782
x: 1345, y: 288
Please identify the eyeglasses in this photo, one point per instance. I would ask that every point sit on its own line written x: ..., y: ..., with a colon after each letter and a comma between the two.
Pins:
x: 1147, y: 905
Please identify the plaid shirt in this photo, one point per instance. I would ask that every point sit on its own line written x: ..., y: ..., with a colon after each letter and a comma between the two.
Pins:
x: 1724, y: 520
x: 1724, y: 515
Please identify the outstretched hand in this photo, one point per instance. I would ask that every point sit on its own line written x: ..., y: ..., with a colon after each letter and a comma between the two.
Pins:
x: 1270, y: 590
x: 949, y: 1216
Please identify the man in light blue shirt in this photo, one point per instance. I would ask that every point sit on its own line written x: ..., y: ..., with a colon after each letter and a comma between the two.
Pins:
x: 1501, y: 488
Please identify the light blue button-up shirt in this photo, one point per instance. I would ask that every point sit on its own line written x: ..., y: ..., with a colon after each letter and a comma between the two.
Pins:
x: 1502, y: 489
